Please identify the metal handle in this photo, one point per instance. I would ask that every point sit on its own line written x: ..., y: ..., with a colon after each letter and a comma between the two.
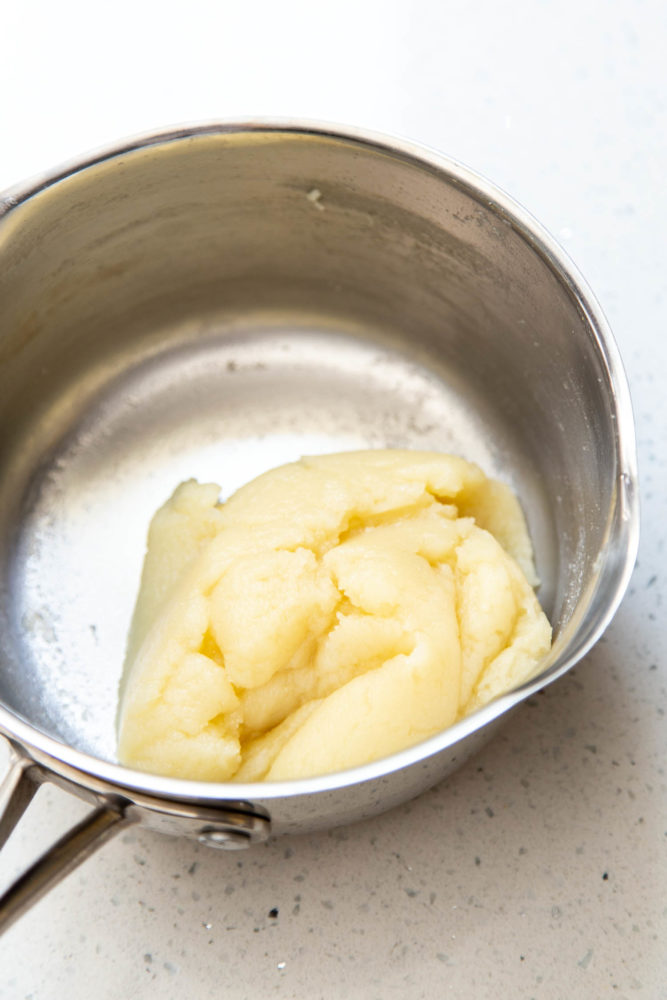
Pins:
x: 16, y: 792
x: 20, y: 783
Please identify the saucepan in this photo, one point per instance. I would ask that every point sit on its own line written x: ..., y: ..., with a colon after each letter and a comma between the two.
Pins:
x: 212, y: 301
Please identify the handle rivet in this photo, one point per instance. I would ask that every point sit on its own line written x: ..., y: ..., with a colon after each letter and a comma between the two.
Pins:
x: 224, y: 839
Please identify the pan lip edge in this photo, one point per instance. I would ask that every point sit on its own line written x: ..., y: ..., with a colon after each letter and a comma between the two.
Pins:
x: 119, y: 777
x: 88, y: 771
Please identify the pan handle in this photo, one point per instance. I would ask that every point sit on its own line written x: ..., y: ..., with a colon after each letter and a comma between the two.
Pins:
x: 20, y: 783
x: 16, y: 791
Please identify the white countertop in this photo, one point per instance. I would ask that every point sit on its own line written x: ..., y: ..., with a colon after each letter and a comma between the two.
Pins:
x: 538, y: 870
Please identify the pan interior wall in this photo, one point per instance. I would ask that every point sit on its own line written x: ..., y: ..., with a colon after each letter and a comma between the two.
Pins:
x: 222, y: 303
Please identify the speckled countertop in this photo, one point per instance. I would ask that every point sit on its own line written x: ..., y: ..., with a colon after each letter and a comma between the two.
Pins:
x: 539, y: 870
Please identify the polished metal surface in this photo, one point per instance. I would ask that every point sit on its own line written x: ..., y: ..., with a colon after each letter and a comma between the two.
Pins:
x: 213, y: 302
x: 16, y: 792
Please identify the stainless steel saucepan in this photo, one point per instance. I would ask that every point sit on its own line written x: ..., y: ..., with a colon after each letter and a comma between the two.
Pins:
x: 216, y: 300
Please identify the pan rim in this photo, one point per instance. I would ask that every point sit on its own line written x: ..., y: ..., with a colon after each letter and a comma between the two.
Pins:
x: 617, y: 559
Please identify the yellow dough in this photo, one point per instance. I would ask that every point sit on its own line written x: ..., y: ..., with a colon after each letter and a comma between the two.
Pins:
x: 331, y: 612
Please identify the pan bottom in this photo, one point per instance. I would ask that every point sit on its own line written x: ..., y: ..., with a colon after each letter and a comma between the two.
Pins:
x: 225, y: 407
